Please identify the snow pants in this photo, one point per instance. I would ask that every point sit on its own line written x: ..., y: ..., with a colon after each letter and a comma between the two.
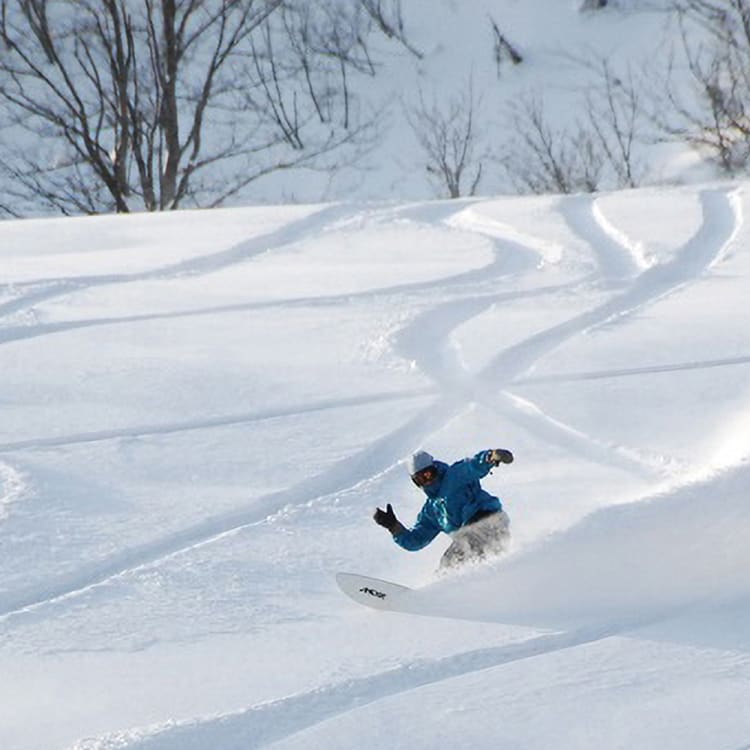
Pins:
x: 487, y: 536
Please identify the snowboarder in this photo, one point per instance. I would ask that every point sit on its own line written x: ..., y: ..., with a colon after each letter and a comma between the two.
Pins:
x: 457, y: 505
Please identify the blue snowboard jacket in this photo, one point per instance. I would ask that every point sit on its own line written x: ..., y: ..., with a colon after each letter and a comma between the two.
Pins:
x: 453, y: 499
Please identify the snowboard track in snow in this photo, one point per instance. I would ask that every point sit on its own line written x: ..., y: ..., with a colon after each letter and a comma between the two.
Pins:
x: 455, y: 386
x: 267, y: 723
x: 170, y: 428
x: 573, y: 377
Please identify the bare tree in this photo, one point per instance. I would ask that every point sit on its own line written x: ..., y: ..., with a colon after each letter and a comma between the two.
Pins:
x: 616, y: 115
x: 546, y: 159
x: 449, y: 141
x: 388, y: 15
x: 503, y: 49
x: 714, y: 114
x: 133, y: 104
x: 7, y: 210
x: 602, y: 146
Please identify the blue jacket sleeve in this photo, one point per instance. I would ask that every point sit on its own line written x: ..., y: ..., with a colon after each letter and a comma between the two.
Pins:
x: 476, y: 467
x: 420, y: 535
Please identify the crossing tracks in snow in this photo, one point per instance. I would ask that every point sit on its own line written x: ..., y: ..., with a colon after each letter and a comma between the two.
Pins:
x: 444, y: 304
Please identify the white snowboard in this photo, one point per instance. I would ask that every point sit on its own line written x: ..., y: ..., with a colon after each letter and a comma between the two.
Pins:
x: 373, y: 592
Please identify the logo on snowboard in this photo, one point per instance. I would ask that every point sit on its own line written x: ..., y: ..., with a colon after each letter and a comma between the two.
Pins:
x: 372, y: 592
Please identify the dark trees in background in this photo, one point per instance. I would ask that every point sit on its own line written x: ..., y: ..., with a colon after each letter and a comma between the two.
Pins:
x: 120, y: 105
x: 599, y: 148
x: 448, y: 134
x: 545, y: 157
x: 713, y: 114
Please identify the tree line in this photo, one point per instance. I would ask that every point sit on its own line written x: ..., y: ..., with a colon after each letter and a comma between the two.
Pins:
x: 124, y: 105
x: 121, y: 105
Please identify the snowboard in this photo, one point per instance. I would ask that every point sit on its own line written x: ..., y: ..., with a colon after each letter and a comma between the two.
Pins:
x: 374, y: 592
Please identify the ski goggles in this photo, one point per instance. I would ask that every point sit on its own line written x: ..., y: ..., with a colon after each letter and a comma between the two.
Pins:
x: 424, y: 476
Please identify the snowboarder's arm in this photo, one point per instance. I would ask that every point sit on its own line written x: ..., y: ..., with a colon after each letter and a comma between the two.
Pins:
x: 479, y: 466
x: 420, y: 535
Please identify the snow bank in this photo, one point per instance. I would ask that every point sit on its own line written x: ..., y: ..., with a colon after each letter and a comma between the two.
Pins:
x: 621, y: 566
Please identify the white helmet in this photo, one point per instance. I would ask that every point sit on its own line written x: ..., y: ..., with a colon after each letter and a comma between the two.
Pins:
x: 420, y: 460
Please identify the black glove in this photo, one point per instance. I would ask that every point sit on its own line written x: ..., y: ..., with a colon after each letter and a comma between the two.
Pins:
x: 499, y: 456
x: 387, y: 519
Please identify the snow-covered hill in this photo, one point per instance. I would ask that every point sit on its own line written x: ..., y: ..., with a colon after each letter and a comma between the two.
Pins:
x: 457, y: 67
x: 201, y: 411
x: 586, y: 78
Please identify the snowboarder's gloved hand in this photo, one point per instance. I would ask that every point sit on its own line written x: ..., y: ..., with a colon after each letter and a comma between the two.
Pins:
x: 387, y: 519
x: 499, y: 456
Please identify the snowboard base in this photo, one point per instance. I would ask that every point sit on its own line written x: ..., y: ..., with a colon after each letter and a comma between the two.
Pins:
x: 372, y: 592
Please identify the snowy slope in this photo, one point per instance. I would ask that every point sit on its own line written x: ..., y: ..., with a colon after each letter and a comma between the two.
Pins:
x: 450, y: 64
x: 202, y: 410
x: 563, y: 50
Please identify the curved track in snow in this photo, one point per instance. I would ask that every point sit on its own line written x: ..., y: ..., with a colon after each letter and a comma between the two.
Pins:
x: 262, y: 725
x: 624, y: 283
x: 425, y: 340
x: 544, y: 586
